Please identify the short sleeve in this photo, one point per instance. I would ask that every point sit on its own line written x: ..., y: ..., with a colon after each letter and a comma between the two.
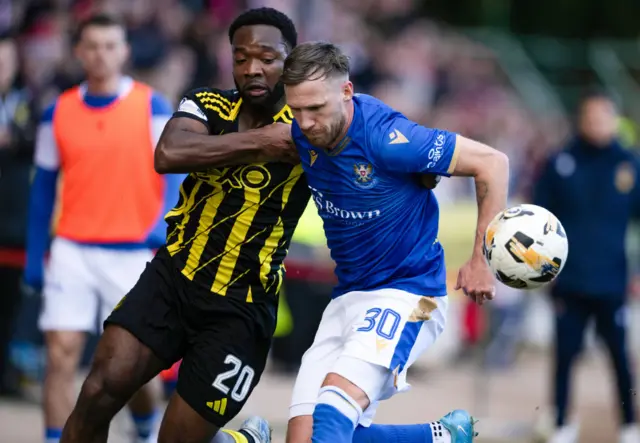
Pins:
x: 405, y: 146
x: 46, y: 154
x: 191, y: 107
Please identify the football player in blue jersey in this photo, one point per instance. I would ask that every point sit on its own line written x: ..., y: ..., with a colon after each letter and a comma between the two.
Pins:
x: 363, y: 162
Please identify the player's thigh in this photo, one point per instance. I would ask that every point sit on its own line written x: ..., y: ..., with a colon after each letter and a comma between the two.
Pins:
x: 391, y: 329
x: 151, y: 310
x: 227, y: 353
x: 122, y: 364
x: 119, y: 272
x: 70, y: 293
x: 317, y: 362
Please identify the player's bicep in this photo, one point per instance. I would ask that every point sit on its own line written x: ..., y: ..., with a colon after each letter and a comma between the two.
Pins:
x: 406, y: 146
x: 472, y: 158
x: 176, y: 125
x: 186, y: 124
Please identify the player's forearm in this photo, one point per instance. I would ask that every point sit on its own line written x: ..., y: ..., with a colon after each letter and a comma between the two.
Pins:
x: 181, y: 151
x: 490, y: 170
x: 492, y: 185
x: 41, y: 206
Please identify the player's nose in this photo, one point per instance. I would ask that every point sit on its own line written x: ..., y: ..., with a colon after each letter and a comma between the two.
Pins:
x: 253, y: 68
x: 305, y: 122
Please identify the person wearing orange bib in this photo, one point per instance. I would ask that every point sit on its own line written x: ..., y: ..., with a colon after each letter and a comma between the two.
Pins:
x: 94, y: 151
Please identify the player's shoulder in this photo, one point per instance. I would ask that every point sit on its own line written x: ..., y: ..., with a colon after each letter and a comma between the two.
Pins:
x: 208, y: 94
x: 211, y: 104
x: 380, y: 123
x: 376, y: 114
x: 374, y: 108
x: 47, y: 114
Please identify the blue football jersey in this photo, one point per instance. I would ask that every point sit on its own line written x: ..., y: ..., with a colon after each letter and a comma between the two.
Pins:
x: 381, y: 223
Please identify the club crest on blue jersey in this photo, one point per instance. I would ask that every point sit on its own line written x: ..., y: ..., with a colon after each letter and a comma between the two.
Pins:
x: 364, y: 175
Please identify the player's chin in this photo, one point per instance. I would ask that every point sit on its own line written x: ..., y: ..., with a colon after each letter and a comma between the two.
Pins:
x: 257, y: 100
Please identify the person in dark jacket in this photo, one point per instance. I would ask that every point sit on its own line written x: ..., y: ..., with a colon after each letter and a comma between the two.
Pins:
x: 592, y: 187
x: 16, y: 152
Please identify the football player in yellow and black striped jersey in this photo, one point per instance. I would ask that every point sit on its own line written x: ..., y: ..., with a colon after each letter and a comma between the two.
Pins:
x: 231, y: 227
x: 209, y: 297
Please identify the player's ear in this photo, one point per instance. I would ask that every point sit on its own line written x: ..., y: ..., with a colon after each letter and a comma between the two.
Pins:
x: 347, y: 91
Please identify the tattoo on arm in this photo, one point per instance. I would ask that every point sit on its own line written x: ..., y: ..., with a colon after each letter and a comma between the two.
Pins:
x: 482, y: 189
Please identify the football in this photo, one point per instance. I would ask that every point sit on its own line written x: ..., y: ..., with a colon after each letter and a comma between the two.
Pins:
x: 525, y: 246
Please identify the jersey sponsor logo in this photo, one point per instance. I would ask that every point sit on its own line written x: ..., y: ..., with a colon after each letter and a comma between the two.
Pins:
x: 397, y: 138
x: 435, y: 153
x: 190, y: 107
x: 251, y: 176
x: 365, y: 177
x: 327, y: 209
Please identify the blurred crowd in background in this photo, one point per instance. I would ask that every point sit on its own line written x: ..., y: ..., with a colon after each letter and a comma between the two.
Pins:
x: 434, y: 74
x: 447, y: 80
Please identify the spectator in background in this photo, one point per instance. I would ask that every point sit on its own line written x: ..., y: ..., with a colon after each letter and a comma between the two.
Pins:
x: 592, y: 187
x: 100, y: 136
x: 16, y: 151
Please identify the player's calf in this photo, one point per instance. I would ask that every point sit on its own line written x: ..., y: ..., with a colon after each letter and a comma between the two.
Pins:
x: 338, y: 410
x: 121, y: 366
x: 335, y: 416
x: 63, y: 355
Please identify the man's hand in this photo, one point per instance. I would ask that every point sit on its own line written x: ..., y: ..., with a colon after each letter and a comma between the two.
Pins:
x: 277, y: 143
x: 476, y: 280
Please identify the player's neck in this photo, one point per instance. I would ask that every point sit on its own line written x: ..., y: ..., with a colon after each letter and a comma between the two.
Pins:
x: 108, y: 86
x: 347, y: 125
x: 252, y: 117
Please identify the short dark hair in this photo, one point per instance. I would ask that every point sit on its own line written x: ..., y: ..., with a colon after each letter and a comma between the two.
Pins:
x: 314, y: 61
x: 268, y: 17
x: 100, y: 20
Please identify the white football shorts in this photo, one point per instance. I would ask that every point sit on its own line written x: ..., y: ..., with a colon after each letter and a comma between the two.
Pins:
x: 370, y: 338
x: 83, y: 283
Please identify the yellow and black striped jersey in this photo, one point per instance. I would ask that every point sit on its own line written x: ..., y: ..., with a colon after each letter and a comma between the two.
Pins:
x: 232, y: 226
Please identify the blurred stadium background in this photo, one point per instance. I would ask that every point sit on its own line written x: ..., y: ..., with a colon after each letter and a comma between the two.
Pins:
x: 506, y: 72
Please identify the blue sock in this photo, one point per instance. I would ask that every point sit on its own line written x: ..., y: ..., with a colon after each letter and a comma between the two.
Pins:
x: 420, y: 433
x: 52, y: 435
x: 335, y: 416
x: 393, y: 434
x: 144, y: 424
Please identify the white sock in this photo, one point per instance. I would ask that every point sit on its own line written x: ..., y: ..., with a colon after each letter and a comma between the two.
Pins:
x: 439, y: 433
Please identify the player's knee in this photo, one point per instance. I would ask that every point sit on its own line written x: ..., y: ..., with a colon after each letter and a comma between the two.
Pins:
x: 352, y: 390
x: 336, y: 406
x: 63, y: 352
x: 108, y: 386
